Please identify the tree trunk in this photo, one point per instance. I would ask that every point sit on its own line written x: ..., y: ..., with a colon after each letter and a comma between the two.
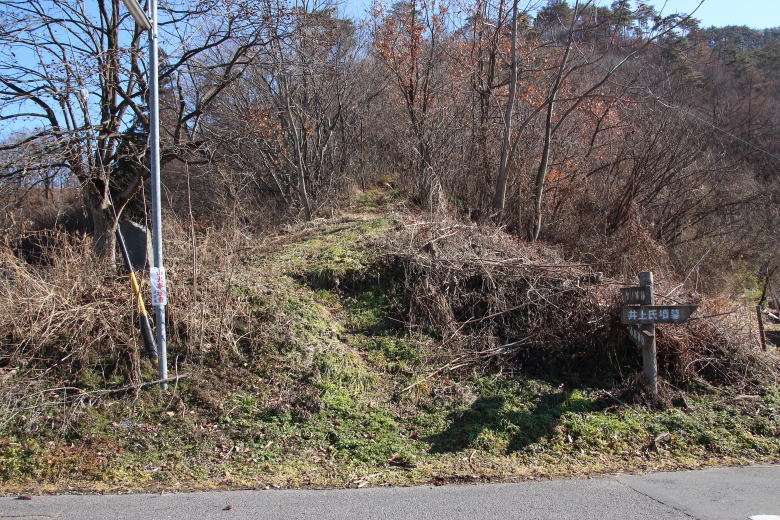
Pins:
x: 499, y: 199
x: 103, y: 226
x: 541, y: 174
x: 301, y: 184
x: 295, y: 136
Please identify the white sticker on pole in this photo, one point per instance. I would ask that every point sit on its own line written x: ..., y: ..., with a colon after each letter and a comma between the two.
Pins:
x: 159, y: 287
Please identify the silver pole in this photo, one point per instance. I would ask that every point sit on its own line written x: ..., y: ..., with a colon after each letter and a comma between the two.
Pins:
x: 154, y: 143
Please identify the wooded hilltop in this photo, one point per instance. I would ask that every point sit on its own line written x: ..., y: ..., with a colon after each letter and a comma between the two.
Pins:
x: 602, y: 129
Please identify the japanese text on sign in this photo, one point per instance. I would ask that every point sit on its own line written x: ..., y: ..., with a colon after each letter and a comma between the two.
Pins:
x: 159, y: 286
x: 639, y: 337
x: 657, y: 313
x: 636, y: 295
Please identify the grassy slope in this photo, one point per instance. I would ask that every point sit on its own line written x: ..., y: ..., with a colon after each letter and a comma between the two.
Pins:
x: 314, y: 396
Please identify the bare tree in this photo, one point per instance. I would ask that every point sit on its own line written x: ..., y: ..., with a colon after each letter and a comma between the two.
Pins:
x: 410, y: 39
x: 499, y: 200
x: 284, y: 126
x: 597, y: 67
x: 73, y: 81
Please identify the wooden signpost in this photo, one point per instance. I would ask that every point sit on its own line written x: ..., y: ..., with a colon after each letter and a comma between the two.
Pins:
x: 641, y: 314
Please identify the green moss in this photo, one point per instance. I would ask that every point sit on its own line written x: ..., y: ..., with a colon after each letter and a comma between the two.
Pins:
x: 351, y: 423
x: 89, y: 378
x: 369, y: 310
x: 505, y: 413
x: 327, y: 298
x: 345, y: 424
x: 376, y: 225
x: 19, y: 458
x: 749, y: 283
x: 394, y: 354
x: 336, y: 265
x: 377, y: 199
x: 338, y: 256
x: 345, y: 258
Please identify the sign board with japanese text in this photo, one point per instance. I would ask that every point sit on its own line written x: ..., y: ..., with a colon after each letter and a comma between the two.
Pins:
x: 159, y: 286
x: 641, y: 314
x: 641, y: 335
x: 636, y: 295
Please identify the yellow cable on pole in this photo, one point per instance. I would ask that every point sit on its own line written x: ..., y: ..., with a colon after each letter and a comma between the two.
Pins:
x: 138, y: 295
x: 143, y: 316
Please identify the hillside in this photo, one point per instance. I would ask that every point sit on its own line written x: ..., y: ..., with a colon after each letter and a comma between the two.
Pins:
x: 379, y: 346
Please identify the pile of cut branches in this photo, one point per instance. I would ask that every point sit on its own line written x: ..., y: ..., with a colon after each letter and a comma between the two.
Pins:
x: 494, y: 300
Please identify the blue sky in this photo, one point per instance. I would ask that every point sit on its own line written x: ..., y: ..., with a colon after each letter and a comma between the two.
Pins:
x: 758, y: 14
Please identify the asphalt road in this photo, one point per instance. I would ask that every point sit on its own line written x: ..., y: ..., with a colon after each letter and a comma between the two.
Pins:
x: 727, y: 493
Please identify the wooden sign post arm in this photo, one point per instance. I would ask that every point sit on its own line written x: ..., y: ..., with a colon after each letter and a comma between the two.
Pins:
x: 649, y: 362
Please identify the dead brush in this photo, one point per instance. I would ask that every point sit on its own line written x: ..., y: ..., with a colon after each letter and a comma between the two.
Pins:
x: 494, y: 300
x: 65, y: 313
x: 67, y: 324
x: 68, y: 327
x: 710, y: 351
x: 68, y: 332
x: 213, y: 300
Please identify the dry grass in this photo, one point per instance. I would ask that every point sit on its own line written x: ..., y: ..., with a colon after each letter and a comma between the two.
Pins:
x: 64, y: 313
x: 68, y: 327
x: 69, y: 322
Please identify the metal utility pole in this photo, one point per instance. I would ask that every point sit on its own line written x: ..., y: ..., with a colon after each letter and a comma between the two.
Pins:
x: 158, y: 281
x: 157, y: 272
x: 138, y: 14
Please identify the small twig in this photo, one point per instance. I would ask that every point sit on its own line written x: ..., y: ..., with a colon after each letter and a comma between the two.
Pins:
x: 511, y: 309
x: 431, y: 241
x: 440, y: 369
x: 363, y: 481
x: 501, y: 349
x: 127, y: 388
x: 698, y: 360
x: 675, y: 289
x: 82, y: 395
x: 713, y: 315
x: 451, y: 365
x: 618, y: 401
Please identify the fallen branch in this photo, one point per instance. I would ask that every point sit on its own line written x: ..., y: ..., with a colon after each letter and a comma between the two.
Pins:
x: 82, y: 395
x: 618, y: 401
x: 127, y: 388
x: 438, y: 370
x: 712, y: 315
